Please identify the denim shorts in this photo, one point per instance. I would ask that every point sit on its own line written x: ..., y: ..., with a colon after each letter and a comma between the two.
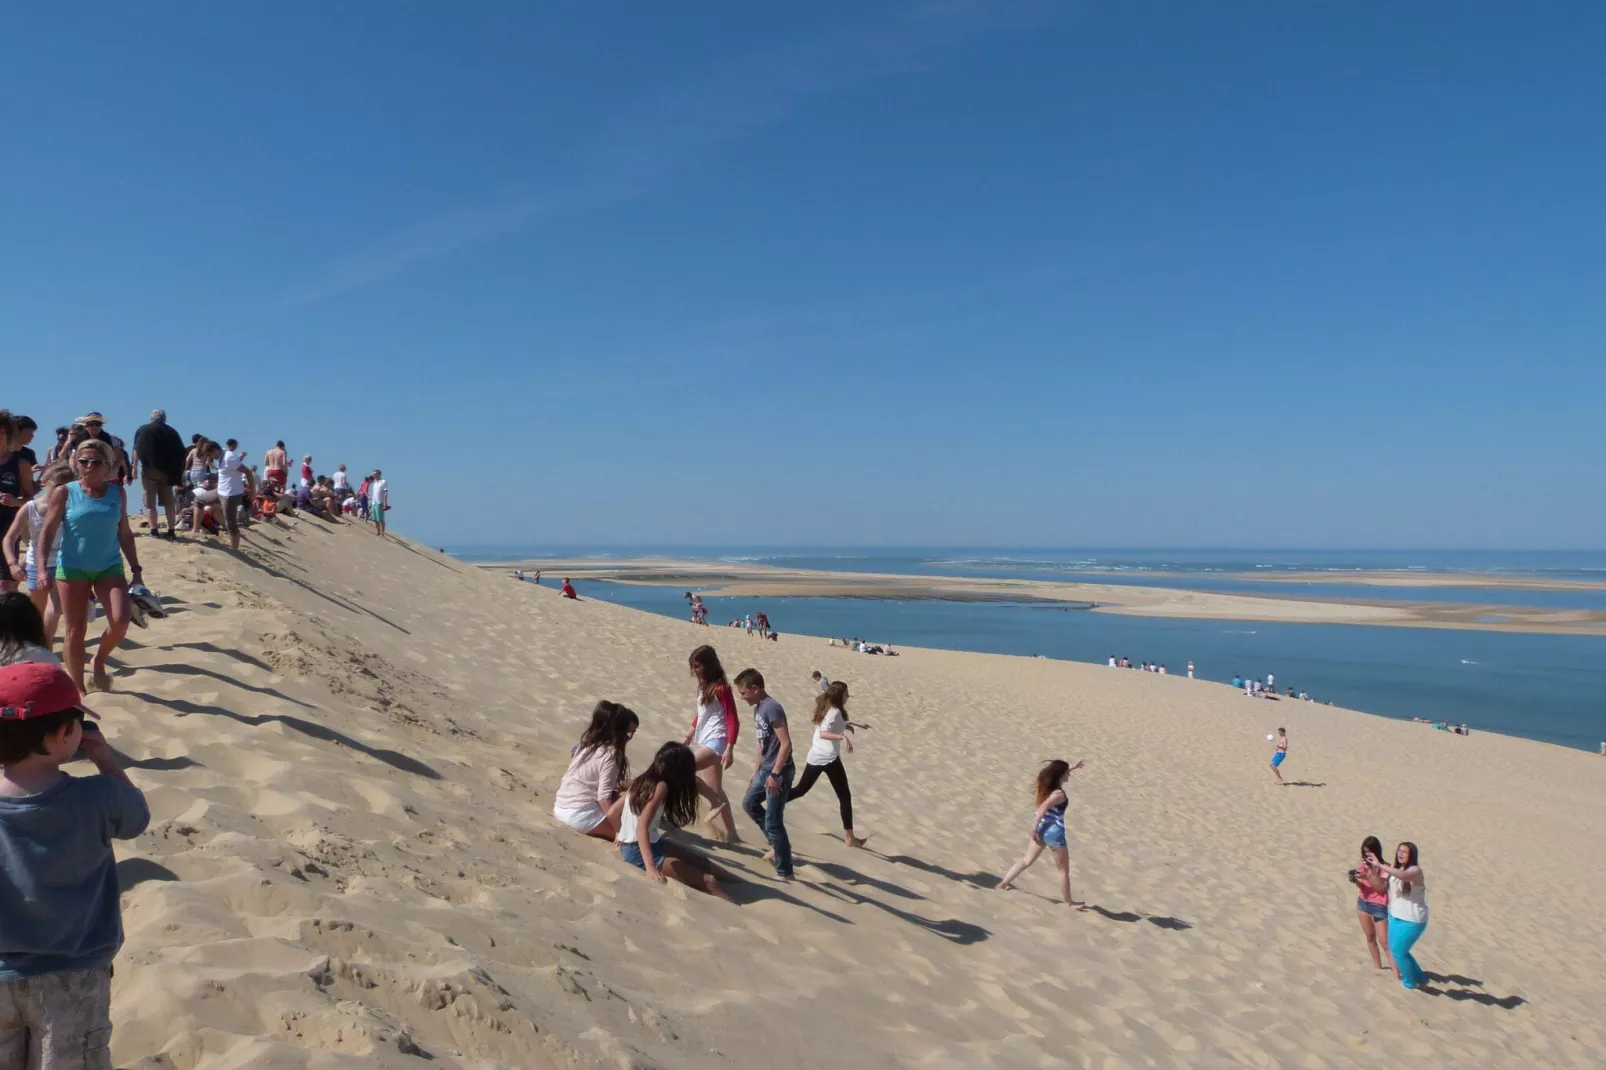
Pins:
x: 1375, y: 911
x: 631, y: 852
x: 1052, y: 835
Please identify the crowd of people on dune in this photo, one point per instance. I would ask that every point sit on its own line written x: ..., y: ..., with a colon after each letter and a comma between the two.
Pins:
x: 72, y: 556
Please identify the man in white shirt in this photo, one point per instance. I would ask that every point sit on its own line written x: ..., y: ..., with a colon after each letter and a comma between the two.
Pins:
x: 231, y: 489
x: 342, y: 482
x: 378, y: 501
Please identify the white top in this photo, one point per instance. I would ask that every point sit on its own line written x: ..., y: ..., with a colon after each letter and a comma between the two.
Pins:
x: 230, y: 477
x: 628, y: 828
x: 826, y: 751
x: 379, y: 491
x: 31, y: 652
x: 36, y: 524
x: 1408, y: 906
x: 1271, y: 678
x: 341, y: 482
x: 710, y: 723
x: 1112, y: 663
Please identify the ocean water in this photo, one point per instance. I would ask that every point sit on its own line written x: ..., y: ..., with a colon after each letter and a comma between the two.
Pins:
x: 1543, y: 687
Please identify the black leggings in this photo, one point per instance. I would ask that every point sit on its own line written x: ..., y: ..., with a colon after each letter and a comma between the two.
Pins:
x: 837, y: 773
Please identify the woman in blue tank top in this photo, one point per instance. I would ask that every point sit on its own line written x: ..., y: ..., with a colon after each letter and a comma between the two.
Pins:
x: 1048, y: 829
x: 92, y: 517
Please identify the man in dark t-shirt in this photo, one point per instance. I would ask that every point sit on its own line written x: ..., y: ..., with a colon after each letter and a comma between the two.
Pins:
x: 160, y: 452
x: 765, y: 801
x: 26, y: 429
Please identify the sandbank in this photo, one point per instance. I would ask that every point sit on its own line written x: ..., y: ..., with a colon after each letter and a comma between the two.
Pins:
x: 750, y: 580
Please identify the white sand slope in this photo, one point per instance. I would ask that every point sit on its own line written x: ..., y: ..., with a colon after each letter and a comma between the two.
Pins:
x: 350, y: 748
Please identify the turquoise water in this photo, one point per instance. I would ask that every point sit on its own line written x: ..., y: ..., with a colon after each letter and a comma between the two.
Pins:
x: 1545, y: 687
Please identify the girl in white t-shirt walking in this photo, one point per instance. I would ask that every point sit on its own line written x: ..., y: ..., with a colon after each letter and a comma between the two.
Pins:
x: 831, y: 730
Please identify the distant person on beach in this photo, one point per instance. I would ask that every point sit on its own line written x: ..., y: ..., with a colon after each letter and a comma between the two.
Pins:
x: 1372, y: 905
x: 276, y: 466
x: 763, y: 620
x: 1190, y: 670
x: 1408, y: 911
x: 306, y: 471
x: 1271, y: 682
x: 1048, y: 829
x: 62, y: 924
x: 665, y: 791
x: 714, y: 731
x: 588, y: 798
x: 765, y: 801
x: 91, y: 515
x: 568, y: 589
x: 341, y: 482
x: 821, y: 681
x: 1237, y: 682
x: 1112, y: 662
x: 378, y: 502
x: 831, y: 731
x: 1280, y: 755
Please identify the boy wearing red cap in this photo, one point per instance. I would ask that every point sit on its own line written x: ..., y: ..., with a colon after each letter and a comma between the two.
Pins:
x: 61, y: 922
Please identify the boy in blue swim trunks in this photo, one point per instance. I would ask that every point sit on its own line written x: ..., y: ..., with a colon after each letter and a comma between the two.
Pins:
x: 1282, y: 753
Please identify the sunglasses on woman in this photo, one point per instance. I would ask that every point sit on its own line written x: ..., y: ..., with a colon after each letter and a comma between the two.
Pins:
x: 90, y: 462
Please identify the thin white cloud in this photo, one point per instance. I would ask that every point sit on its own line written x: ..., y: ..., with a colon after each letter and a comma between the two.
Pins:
x: 672, y: 130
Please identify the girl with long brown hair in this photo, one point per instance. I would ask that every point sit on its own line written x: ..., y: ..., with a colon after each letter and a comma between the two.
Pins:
x: 1048, y: 829
x: 665, y: 791
x: 831, y: 730
x: 712, y: 738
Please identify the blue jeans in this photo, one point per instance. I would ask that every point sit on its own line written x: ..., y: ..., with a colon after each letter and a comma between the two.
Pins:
x: 768, y: 808
x: 1403, y: 935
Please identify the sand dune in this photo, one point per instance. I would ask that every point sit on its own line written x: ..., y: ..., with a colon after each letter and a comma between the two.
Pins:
x: 350, y: 748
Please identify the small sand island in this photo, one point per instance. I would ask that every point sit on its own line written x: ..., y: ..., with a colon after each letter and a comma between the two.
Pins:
x: 752, y: 580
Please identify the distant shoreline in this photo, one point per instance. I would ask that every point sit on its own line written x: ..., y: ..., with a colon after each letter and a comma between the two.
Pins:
x: 751, y: 580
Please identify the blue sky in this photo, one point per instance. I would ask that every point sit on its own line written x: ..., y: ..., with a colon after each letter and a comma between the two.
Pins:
x: 1251, y: 274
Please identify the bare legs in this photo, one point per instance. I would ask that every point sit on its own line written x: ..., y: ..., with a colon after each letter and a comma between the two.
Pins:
x: 694, y: 872
x: 47, y: 600
x: 1377, y: 940
x: 1062, y: 861
x: 113, y: 594
x: 1278, y: 773
x: 711, y: 771
x: 75, y: 608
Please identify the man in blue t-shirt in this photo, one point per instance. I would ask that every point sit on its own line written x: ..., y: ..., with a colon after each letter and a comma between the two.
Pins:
x: 765, y: 801
x: 61, y: 921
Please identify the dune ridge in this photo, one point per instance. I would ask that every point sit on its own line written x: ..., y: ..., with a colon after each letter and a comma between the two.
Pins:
x: 350, y: 747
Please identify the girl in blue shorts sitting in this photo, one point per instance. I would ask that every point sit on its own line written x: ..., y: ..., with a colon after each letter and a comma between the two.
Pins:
x: 667, y: 790
x: 1048, y: 829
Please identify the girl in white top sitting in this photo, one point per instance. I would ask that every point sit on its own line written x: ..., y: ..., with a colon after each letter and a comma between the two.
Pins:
x: 831, y: 730
x: 666, y: 791
x: 1408, y: 912
x: 588, y: 798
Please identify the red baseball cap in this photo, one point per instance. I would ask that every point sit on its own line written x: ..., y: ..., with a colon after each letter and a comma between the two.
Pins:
x: 35, y: 689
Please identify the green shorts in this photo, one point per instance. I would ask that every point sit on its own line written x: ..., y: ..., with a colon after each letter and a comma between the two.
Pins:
x: 89, y: 575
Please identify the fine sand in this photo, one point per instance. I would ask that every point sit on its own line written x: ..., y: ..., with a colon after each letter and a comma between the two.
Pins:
x: 350, y: 747
x: 747, y: 580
